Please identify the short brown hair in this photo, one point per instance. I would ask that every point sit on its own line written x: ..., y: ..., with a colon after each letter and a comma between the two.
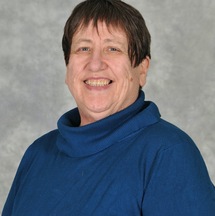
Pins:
x: 117, y: 14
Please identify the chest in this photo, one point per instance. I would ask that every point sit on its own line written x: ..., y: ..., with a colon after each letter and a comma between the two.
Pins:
x: 108, y: 183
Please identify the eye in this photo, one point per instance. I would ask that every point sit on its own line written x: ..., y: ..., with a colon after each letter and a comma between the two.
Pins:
x: 80, y: 50
x: 113, y: 49
x: 84, y: 49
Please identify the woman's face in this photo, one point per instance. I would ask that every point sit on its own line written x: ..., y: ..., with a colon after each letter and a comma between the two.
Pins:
x: 99, y: 73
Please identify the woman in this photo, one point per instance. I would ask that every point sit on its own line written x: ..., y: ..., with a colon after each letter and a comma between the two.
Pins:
x: 113, y: 154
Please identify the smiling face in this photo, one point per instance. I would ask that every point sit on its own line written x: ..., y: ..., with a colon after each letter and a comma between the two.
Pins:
x: 100, y: 75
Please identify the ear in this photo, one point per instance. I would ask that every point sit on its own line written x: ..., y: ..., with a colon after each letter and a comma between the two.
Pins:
x: 144, y: 66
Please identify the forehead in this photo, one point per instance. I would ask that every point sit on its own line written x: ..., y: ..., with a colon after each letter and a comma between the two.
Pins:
x: 100, y: 30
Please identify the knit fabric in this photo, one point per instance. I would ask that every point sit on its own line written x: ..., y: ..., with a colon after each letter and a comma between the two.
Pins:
x: 128, y: 164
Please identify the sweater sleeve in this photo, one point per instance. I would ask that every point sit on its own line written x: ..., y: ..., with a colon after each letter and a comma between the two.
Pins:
x: 20, y: 174
x: 180, y: 184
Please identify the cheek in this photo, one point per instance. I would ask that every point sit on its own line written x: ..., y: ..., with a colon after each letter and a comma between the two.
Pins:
x: 76, y: 67
x: 68, y: 76
x: 134, y: 81
x: 71, y: 73
x: 70, y: 79
x: 134, y: 77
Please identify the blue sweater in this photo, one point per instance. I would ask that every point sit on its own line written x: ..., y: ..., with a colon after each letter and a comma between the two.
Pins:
x: 129, y: 164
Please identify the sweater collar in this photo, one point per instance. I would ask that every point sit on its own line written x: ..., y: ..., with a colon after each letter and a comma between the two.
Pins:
x: 92, y: 138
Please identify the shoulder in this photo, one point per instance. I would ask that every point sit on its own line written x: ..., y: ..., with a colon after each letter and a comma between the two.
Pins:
x: 178, y: 174
x: 42, y: 145
x: 167, y: 135
x: 46, y: 139
x: 163, y: 137
x: 174, y: 150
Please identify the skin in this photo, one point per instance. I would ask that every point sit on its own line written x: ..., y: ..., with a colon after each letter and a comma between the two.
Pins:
x: 100, y: 75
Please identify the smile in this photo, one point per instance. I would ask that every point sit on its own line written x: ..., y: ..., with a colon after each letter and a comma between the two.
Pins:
x: 98, y: 82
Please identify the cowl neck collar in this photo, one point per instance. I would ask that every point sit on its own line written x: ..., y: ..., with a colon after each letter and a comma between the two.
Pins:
x: 92, y: 138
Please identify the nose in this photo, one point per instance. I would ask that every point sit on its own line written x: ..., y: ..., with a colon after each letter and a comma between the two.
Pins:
x: 96, y: 61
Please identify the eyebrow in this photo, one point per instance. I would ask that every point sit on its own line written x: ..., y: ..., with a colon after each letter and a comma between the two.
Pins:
x: 106, y: 41
x: 83, y: 40
x: 113, y: 41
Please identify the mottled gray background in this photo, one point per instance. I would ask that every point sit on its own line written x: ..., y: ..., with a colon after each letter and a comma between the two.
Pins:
x: 181, y: 79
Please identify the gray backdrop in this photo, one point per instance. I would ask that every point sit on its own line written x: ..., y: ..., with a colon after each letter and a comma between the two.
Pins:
x: 33, y: 94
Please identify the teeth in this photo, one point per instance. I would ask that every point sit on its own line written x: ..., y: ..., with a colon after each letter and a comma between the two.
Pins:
x: 99, y: 82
